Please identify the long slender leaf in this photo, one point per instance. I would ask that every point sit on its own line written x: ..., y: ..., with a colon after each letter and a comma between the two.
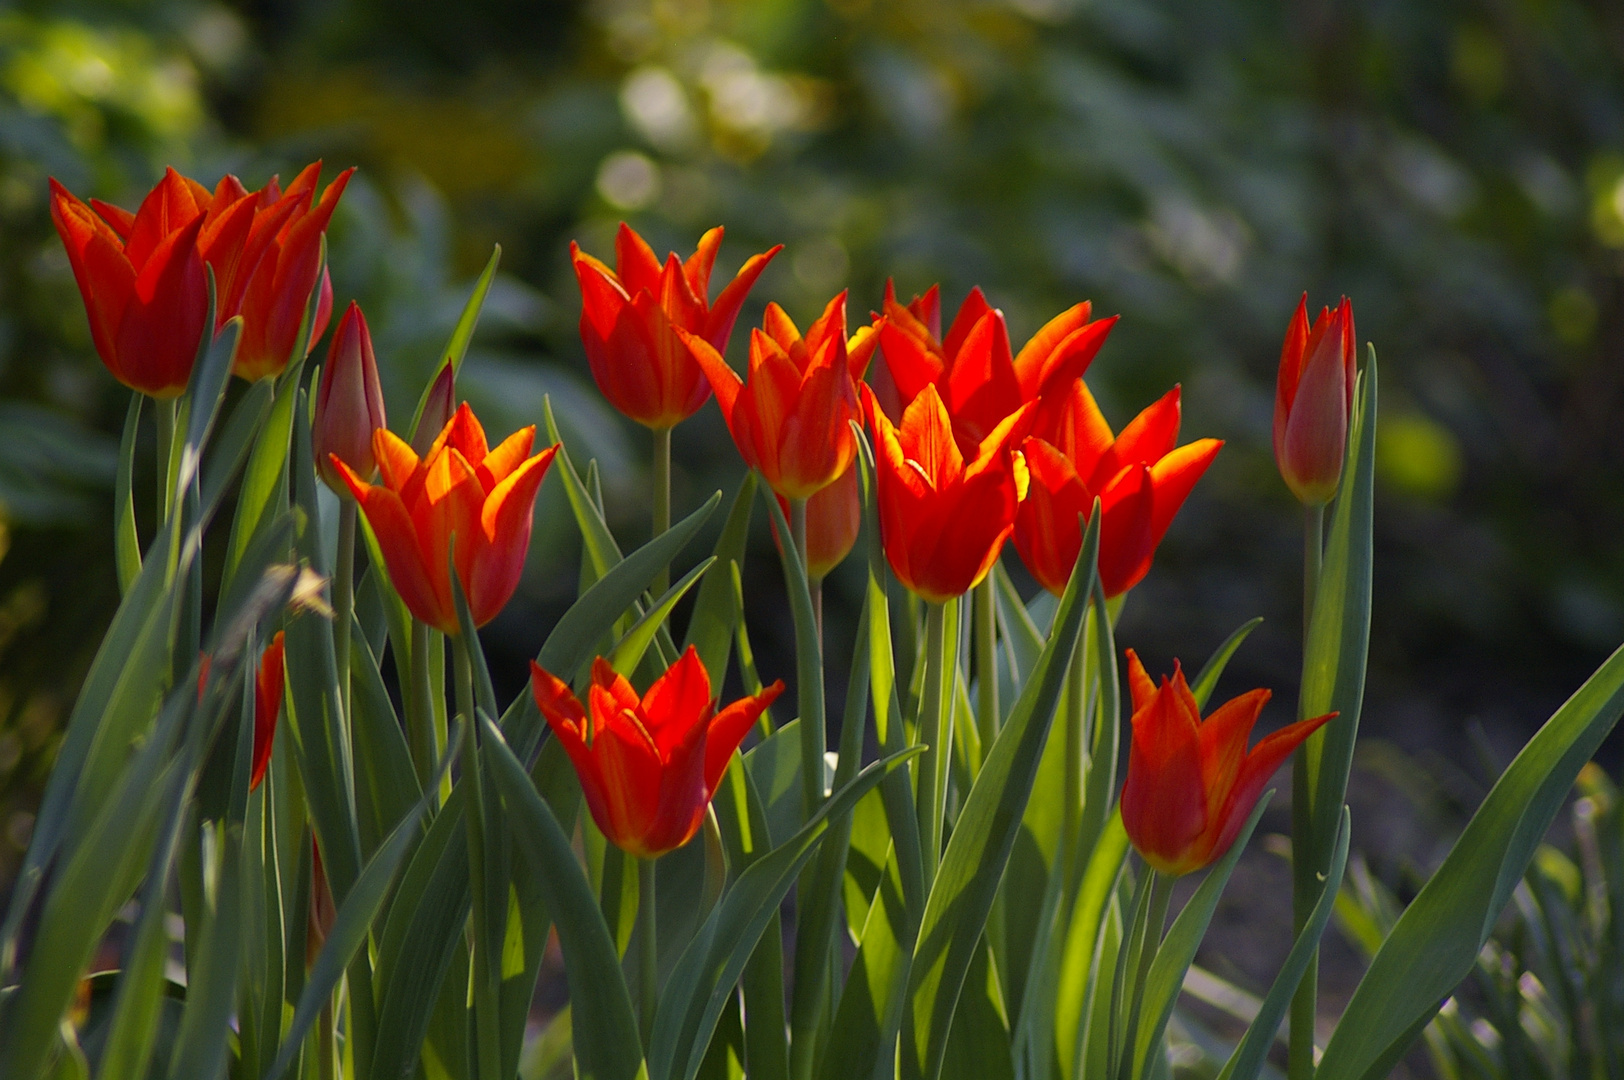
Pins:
x: 711, y: 624
x: 205, y: 1023
x: 462, y: 334
x: 1253, y: 1052
x: 1177, y: 951
x: 1206, y: 680
x: 605, y: 1035
x: 710, y: 967
x: 629, y: 650
x: 978, y: 851
x: 1436, y: 941
x: 126, y: 541
x: 1080, y: 963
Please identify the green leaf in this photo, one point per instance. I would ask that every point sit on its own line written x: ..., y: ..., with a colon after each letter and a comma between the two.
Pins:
x: 598, y: 541
x: 629, y: 650
x: 775, y: 770
x: 710, y: 967
x: 1079, y: 982
x: 607, y: 1045
x: 1338, y: 642
x: 1178, y: 948
x: 126, y: 541
x: 1253, y: 1052
x: 230, y: 449
x: 204, y: 395
x: 1206, y: 679
x: 978, y: 851
x: 711, y: 625
x: 978, y: 1045
x: 386, y: 782
x: 356, y: 913
x: 808, y: 665
x: 461, y: 336
x: 263, y: 491
x: 1437, y: 939
x: 205, y: 1023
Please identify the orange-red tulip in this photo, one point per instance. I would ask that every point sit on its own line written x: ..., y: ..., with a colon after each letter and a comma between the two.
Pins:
x: 792, y: 420
x: 1192, y: 783
x: 648, y: 766
x: 142, y: 279
x: 483, y: 497
x: 349, y: 403
x: 268, y: 683
x: 944, y: 515
x: 977, y: 376
x: 833, y: 518
x: 1141, y: 478
x: 627, y: 320
x: 1312, y: 399
x: 271, y: 288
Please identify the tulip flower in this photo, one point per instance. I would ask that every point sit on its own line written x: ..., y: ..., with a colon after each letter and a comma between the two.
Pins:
x: 271, y: 288
x: 792, y: 420
x: 1312, y: 399
x: 648, y: 766
x: 629, y: 316
x: 144, y: 288
x: 1140, y: 477
x: 977, y: 376
x: 1192, y: 783
x: 483, y: 497
x: 943, y: 517
x: 349, y: 403
x: 268, y: 683
x: 833, y: 517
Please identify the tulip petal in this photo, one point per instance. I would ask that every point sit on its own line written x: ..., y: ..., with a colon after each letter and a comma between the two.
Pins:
x: 397, y: 539
x: 926, y: 436
x: 1261, y: 764
x: 636, y: 265
x: 1080, y: 430
x: 698, y: 266
x: 1048, y: 531
x: 778, y: 326
x: 678, y: 701
x: 1033, y: 359
x: 1126, y: 509
x: 158, y: 336
x: 912, y: 361
x: 1148, y: 437
x: 970, y: 312
x: 1172, y: 479
x: 505, y: 523
x: 508, y: 455
x: 1224, y: 736
x: 1141, y: 688
x: 450, y: 506
x: 724, y: 381
x: 1163, y: 807
x: 719, y: 321
x: 981, y: 386
x: 729, y: 727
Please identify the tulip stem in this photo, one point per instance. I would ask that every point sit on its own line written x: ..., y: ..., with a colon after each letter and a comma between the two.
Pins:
x: 344, y: 599
x: 988, y: 715
x: 487, y: 944
x: 1305, y: 881
x: 662, y: 500
x: 167, y: 411
x: 419, y: 707
x: 934, y: 734
x: 1127, y: 954
x: 648, y: 951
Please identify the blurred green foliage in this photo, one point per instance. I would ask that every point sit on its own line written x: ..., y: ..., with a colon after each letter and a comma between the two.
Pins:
x: 1195, y: 166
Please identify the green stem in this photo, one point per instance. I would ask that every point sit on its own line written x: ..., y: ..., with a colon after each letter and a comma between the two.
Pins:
x: 326, y: 1044
x: 167, y: 410
x: 419, y: 706
x: 935, y: 733
x: 487, y: 990
x: 648, y: 951
x: 1304, y: 872
x: 662, y: 500
x: 344, y: 600
x: 1071, y: 821
x: 1161, y: 896
x: 988, y: 716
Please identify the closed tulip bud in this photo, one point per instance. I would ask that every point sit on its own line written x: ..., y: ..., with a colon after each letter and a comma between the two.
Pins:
x: 833, y: 517
x: 1313, y: 397
x: 349, y: 403
x: 269, y: 681
x: 438, y: 409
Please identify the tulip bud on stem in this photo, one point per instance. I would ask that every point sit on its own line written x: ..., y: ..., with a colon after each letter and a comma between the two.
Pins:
x: 1305, y: 880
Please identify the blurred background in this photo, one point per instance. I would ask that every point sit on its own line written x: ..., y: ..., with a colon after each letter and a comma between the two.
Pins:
x: 1194, y: 165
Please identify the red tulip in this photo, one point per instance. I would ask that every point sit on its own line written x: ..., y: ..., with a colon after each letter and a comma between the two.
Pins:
x: 141, y: 276
x: 943, y: 518
x: 272, y: 285
x: 792, y: 420
x: 628, y: 315
x: 268, y: 684
x: 438, y: 409
x: 974, y: 371
x: 648, y: 767
x: 483, y: 497
x: 833, y: 517
x: 1140, y: 477
x: 1192, y: 783
x: 1312, y: 399
x: 349, y: 403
